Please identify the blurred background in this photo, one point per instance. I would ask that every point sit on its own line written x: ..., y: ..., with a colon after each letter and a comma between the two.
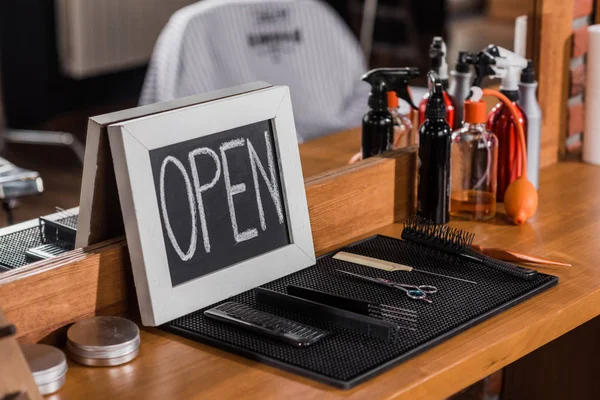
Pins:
x: 66, y: 60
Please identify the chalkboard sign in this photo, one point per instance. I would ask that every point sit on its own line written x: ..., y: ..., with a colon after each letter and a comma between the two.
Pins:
x: 220, y: 200
x: 213, y: 200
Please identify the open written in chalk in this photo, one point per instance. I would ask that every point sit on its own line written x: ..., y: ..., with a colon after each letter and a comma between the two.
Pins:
x: 213, y: 200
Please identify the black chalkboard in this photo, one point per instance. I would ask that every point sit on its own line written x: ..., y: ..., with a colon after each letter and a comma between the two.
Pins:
x: 236, y: 174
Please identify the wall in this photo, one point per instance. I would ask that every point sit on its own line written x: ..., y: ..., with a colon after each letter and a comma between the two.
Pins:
x: 508, y: 9
x: 583, y: 16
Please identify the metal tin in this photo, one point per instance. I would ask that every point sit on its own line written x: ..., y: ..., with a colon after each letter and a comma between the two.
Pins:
x: 48, y: 366
x: 103, y: 341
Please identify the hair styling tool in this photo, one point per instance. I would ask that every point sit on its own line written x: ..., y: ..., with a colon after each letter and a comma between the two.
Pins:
x: 456, y: 242
x: 372, y: 327
x: 387, y: 265
x: 291, y: 332
x: 364, y: 307
x: 412, y: 291
x: 511, y: 255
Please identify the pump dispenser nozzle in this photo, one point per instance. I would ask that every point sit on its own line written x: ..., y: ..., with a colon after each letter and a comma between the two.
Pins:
x: 437, y: 54
x: 436, y: 107
x: 383, y: 80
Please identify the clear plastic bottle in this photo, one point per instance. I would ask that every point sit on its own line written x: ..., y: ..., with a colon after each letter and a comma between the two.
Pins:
x: 402, y: 124
x: 474, y: 166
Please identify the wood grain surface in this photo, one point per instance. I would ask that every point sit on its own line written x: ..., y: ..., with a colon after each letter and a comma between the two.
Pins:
x: 15, y: 376
x: 48, y: 296
x: 329, y: 152
x: 566, y: 228
x: 552, y: 32
x: 348, y: 202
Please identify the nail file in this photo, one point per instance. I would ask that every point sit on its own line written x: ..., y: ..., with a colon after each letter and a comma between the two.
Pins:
x: 371, y: 262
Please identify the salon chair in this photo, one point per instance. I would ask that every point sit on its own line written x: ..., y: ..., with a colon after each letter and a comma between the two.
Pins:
x: 214, y: 44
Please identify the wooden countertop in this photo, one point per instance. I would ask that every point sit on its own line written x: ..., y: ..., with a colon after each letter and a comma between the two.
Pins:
x: 329, y: 152
x: 566, y: 227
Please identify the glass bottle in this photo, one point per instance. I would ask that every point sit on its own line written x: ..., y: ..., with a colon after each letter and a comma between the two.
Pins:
x: 474, y: 167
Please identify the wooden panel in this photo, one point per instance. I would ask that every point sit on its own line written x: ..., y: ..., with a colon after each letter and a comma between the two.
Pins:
x: 509, y: 9
x: 551, y: 53
x: 44, y: 298
x: 570, y: 371
x: 343, y: 204
x: 329, y: 152
x: 360, y: 198
x: 15, y: 376
x: 405, y: 184
x: 107, y: 223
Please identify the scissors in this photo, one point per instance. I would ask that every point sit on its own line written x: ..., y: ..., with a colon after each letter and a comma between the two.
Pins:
x: 412, y: 291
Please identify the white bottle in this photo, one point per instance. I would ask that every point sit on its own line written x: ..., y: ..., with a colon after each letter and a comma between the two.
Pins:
x: 529, y: 104
x: 460, y: 87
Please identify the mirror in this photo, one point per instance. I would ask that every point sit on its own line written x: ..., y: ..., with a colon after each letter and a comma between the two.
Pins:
x: 52, y: 84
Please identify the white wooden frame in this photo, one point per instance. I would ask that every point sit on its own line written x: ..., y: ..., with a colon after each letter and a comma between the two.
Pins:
x: 131, y: 142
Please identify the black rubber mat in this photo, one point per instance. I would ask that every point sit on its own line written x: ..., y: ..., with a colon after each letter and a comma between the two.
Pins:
x: 346, y: 358
x: 14, y: 245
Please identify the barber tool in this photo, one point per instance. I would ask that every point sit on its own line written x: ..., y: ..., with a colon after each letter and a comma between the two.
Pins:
x: 474, y: 161
x: 288, y: 331
x: 435, y: 135
x: 456, y: 242
x: 438, y: 64
x: 48, y: 366
x: 103, y: 341
x: 364, y: 307
x: 511, y: 255
x: 378, y: 123
x: 502, y: 119
x: 372, y: 327
x: 460, y: 87
x: 387, y: 265
x: 530, y: 106
x: 412, y: 291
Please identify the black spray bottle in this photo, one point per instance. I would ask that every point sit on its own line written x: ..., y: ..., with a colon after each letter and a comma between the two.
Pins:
x: 433, y: 198
x: 377, y: 124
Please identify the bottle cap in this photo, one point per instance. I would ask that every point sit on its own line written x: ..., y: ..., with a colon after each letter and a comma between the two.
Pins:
x: 48, y: 366
x: 436, y: 108
x: 462, y: 65
x: 528, y: 74
x: 392, y: 100
x: 475, y: 112
x: 103, y: 341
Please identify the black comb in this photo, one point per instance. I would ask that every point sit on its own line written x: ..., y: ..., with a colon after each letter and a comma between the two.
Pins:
x: 457, y: 242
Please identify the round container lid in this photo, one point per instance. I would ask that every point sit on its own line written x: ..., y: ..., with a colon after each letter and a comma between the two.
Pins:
x: 103, y: 337
x: 48, y: 364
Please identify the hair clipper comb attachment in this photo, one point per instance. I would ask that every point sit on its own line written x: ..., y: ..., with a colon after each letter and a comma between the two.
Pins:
x: 456, y: 242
